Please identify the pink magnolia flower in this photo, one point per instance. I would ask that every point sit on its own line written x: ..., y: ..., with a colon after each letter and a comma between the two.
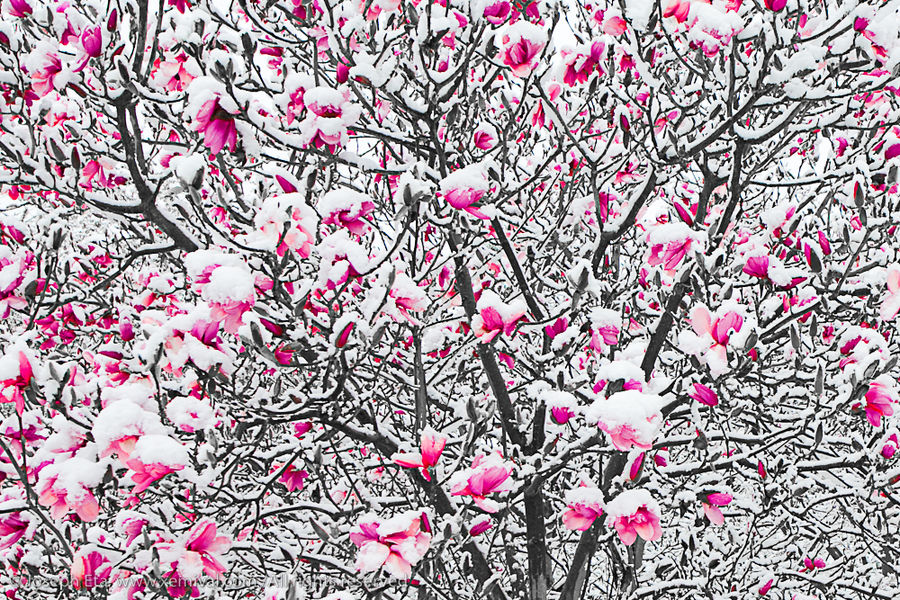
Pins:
x: 496, y: 316
x: 634, y: 513
x: 153, y: 457
x: 879, y: 398
x: 44, y: 79
x: 350, y: 212
x: 89, y: 569
x: 704, y: 395
x: 810, y: 564
x: 200, y: 551
x: 561, y: 414
x: 466, y: 199
x: 680, y: 9
x: 583, y: 505
x: 293, y: 478
x: 630, y: 418
x: 712, y: 504
x: 775, y: 5
x: 217, y: 126
x: 498, y: 12
x: 92, y: 41
x: 484, y: 139
x: 329, y: 114
x: 172, y: 75
x: 19, y: 8
x: 91, y: 44
x: 891, y: 304
x: 13, y: 389
x: 432, y: 445
x: 394, y: 544
x: 717, y: 331
x: 61, y: 500
x: 669, y: 255
x: 580, y: 65
x: 615, y: 26
x: 487, y: 475
x: 562, y: 405
x: 144, y: 475
x: 521, y: 46
x: 890, y: 447
x: 757, y: 266
x: 765, y: 587
x: 12, y: 529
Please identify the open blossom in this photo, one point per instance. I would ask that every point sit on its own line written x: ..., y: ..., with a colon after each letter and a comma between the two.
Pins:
x: 711, y: 338
x: 579, y: 65
x: 17, y: 374
x: 395, y: 544
x: 520, y: 47
x: 630, y: 418
x: 19, y: 8
x: 463, y: 189
x: 44, y: 78
x: 12, y: 529
x: 487, y: 475
x: 495, y: 316
x: 293, y: 478
x: 200, y: 551
x: 634, y: 513
x: 583, y: 506
x: 348, y: 209
x: 154, y: 457
x: 217, y: 126
x: 172, y: 74
x: 329, y: 114
x: 89, y: 569
x: 704, y: 395
x: 12, y: 275
x: 432, y: 445
x: 485, y: 137
x: 605, y: 327
x: 891, y: 304
x: 679, y: 9
x: 64, y: 499
x: 712, y: 506
x: 879, y: 398
x: 670, y: 243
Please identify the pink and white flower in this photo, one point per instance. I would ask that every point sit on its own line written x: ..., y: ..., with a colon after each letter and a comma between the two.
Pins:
x: 520, y: 47
x: 878, y: 400
x: 711, y: 507
x: 431, y: 447
x: 712, y: 333
x: 487, y: 475
x: 634, y: 513
x: 217, y: 126
x: 395, y: 544
x: 495, y: 316
x: 583, y: 505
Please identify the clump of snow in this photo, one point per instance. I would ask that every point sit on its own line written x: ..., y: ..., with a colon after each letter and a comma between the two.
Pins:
x: 190, y: 414
x: 162, y: 450
x: 628, y: 502
x: 121, y: 419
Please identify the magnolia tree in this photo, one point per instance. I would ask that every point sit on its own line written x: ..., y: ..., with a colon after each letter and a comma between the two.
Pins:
x: 463, y: 299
